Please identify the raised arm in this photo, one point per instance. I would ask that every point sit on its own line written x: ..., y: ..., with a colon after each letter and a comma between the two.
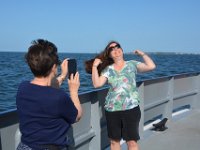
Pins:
x: 97, y: 80
x: 57, y: 81
x: 64, y: 71
x: 148, y: 63
x: 74, y: 85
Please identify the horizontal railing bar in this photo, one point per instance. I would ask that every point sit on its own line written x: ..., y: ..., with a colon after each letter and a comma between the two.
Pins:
x: 8, y: 118
x: 84, y: 137
x: 154, y: 104
x: 186, y: 94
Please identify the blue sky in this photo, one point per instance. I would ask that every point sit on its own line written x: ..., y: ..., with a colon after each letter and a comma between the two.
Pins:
x: 88, y: 25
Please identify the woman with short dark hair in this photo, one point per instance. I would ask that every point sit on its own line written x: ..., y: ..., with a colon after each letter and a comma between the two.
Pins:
x: 45, y: 112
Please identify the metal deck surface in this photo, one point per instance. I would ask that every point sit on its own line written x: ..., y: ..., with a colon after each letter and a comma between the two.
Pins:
x: 183, y: 133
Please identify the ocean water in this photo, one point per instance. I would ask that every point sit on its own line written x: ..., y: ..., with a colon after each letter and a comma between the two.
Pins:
x: 13, y: 70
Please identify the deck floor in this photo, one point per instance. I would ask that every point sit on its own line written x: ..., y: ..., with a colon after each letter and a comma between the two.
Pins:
x: 183, y: 133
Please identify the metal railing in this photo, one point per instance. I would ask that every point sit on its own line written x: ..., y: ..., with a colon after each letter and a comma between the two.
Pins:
x: 159, y: 98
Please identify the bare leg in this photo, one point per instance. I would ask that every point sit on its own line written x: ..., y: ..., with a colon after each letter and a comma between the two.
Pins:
x: 132, y: 145
x: 115, y: 144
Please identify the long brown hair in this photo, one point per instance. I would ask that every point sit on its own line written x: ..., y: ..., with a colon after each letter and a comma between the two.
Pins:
x: 105, y: 58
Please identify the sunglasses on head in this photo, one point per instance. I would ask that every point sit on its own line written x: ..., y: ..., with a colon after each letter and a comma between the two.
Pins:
x: 113, y: 47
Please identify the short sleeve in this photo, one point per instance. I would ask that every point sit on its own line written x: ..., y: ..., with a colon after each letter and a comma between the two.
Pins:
x: 105, y: 72
x: 135, y: 62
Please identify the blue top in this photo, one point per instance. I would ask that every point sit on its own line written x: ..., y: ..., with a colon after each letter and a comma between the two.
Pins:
x: 45, y: 114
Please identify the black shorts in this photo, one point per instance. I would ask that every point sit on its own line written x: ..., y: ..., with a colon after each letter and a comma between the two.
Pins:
x: 124, y: 124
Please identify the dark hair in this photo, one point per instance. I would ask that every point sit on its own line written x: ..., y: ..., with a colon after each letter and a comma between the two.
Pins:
x: 41, y: 57
x: 105, y: 58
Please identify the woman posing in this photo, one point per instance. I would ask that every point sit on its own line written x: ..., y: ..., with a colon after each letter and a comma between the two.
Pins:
x: 122, y: 101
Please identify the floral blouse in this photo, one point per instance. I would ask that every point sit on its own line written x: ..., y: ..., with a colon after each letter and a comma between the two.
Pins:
x: 123, y: 94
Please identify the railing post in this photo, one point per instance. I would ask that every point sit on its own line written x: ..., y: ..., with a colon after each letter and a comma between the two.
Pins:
x: 170, y: 95
x: 98, y: 121
x: 197, y: 97
x: 0, y: 141
x: 17, y: 137
x: 95, y: 124
x: 141, y: 93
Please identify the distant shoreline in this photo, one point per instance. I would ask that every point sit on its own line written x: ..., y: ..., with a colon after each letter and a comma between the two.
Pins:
x: 157, y: 53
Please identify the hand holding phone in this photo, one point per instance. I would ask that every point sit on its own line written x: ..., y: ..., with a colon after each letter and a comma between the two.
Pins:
x: 72, y: 67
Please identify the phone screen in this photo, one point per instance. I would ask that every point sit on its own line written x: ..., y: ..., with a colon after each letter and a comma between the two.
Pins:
x: 72, y: 67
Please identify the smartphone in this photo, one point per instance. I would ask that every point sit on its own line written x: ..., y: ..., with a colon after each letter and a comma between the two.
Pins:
x: 72, y: 67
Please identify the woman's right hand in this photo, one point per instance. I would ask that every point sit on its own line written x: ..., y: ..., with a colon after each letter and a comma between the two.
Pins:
x: 96, y: 62
x: 74, y: 83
